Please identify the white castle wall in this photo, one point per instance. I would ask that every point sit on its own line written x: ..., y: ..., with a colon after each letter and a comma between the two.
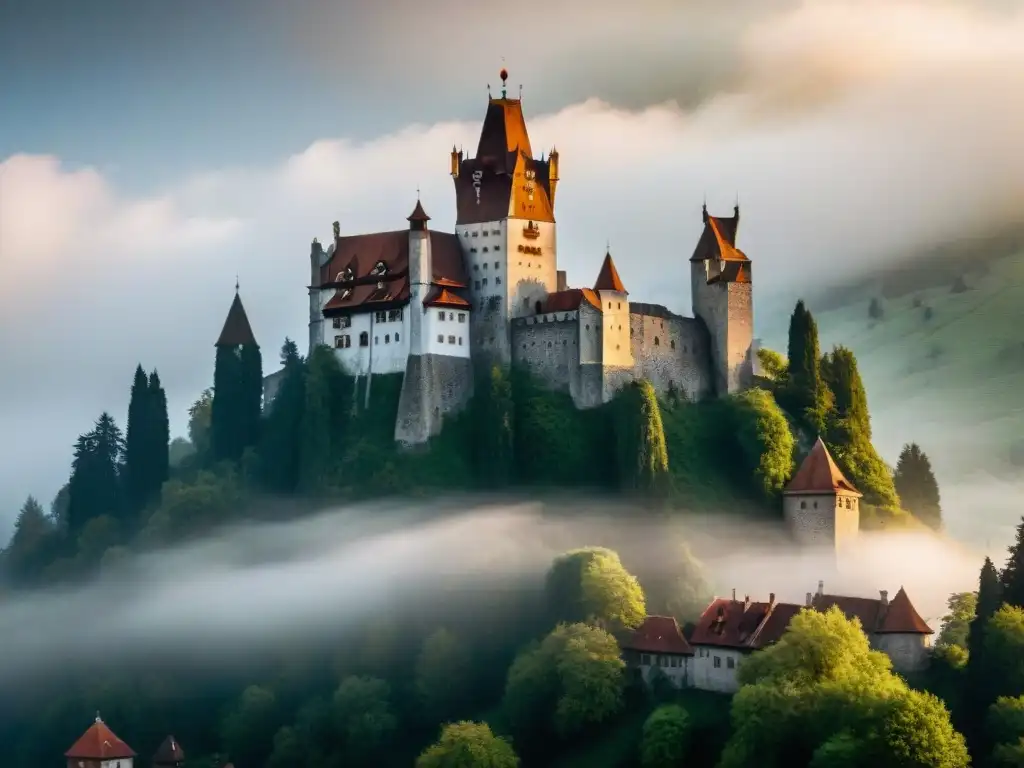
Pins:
x: 387, y: 335
x: 447, y: 332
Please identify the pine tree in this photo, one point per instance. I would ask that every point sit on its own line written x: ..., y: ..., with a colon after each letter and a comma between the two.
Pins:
x: 280, y: 445
x: 849, y: 399
x: 95, y: 486
x: 225, y: 417
x: 978, y: 692
x: 1012, y: 578
x: 138, y: 437
x: 316, y: 439
x: 31, y: 545
x: 160, y: 436
x: 916, y: 485
x: 806, y: 395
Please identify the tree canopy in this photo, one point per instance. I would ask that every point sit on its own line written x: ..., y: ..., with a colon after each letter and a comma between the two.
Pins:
x: 806, y: 395
x: 468, y: 745
x: 640, y: 439
x: 665, y: 739
x: 591, y: 585
x: 916, y: 485
x: 765, y: 439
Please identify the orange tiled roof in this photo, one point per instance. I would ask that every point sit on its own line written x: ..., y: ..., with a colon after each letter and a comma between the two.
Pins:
x: 819, y: 474
x: 718, y: 240
x: 608, y: 278
x: 442, y: 297
x: 902, y: 617
x: 99, y: 743
x: 570, y: 300
x: 659, y: 634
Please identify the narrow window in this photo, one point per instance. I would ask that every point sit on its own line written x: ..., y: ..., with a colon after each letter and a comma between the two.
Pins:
x: 485, y: 281
x: 657, y: 342
x: 440, y: 315
x: 497, y: 263
x: 337, y: 322
x: 497, y: 281
x: 387, y: 338
x: 672, y: 343
x: 364, y: 339
x: 451, y: 339
x: 460, y: 341
x: 381, y: 317
x: 718, y: 662
x: 396, y: 338
x: 440, y: 339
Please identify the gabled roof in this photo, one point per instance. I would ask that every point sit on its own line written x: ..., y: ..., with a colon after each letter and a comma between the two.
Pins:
x: 608, y: 278
x: 236, y: 331
x: 169, y: 753
x: 570, y: 300
x: 718, y: 240
x: 901, y: 617
x: 819, y: 474
x: 659, y: 634
x: 440, y: 296
x: 99, y: 743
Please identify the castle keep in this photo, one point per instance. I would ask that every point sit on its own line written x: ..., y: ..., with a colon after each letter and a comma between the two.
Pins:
x: 427, y: 304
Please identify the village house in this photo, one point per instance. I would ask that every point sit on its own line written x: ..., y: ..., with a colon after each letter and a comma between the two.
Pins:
x: 729, y: 630
x: 100, y: 747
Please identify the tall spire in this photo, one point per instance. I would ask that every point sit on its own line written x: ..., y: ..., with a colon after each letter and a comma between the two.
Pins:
x: 237, y: 332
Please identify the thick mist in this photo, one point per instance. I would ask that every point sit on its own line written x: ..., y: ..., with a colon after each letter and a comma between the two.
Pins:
x: 265, y: 586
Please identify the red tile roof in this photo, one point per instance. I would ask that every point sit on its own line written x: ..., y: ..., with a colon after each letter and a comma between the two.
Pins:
x: 442, y: 297
x: 99, y: 743
x: 718, y: 240
x: 570, y: 300
x: 418, y: 214
x: 659, y: 634
x: 901, y: 617
x: 608, y: 278
x: 236, y: 331
x: 819, y: 474
x: 729, y: 624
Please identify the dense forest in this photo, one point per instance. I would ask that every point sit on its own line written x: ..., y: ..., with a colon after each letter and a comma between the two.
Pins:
x: 535, y: 677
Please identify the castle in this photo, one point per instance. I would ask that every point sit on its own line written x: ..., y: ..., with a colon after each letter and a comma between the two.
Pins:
x: 430, y: 304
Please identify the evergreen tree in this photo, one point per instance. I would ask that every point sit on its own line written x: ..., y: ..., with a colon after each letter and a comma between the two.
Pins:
x: 225, y: 413
x: 251, y: 390
x: 1012, y: 578
x: 640, y: 439
x: 978, y: 693
x: 806, y: 394
x: 493, y: 428
x: 138, y: 437
x: 280, y: 445
x: 95, y: 485
x: 160, y: 435
x: 316, y: 439
x: 237, y: 387
x: 875, y: 311
x: 31, y: 545
x: 915, y: 483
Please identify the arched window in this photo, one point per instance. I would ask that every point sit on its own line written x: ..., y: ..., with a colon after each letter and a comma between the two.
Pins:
x: 364, y: 339
x: 657, y: 341
x: 536, y: 307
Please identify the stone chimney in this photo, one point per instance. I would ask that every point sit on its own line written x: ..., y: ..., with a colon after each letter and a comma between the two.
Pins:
x: 734, y: 594
x: 884, y: 596
x: 821, y: 588
x: 561, y: 283
x: 746, y: 602
x: 771, y: 599
x: 810, y: 600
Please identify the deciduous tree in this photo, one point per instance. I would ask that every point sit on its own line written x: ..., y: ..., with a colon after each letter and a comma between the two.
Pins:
x: 363, y: 716
x: 765, y: 439
x: 440, y: 679
x: 666, y: 736
x: 591, y: 585
x: 468, y: 745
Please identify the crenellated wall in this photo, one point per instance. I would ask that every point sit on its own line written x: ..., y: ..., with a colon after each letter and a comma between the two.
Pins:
x: 548, y: 347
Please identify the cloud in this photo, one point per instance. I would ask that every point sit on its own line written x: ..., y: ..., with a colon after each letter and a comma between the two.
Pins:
x: 851, y: 132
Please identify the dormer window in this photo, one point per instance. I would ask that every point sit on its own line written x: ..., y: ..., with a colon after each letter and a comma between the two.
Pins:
x: 380, y: 286
x: 380, y: 268
x: 346, y: 293
x: 344, y: 277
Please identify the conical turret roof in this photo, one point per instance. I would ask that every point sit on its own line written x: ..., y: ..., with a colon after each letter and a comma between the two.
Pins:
x: 608, y: 278
x: 99, y: 743
x: 819, y: 474
x: 237, y: 331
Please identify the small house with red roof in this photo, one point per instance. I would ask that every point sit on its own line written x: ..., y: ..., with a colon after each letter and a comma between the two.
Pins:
x: 729, y: 630
x: 100, y: 747
x: 659, y: 643
x: 821, y: 507
x: 420, y: 303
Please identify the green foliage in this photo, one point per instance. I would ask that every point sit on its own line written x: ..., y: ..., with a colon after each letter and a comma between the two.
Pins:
x: 1006, y: 720
x: 572, y: 680
x: 200, y: 413
x: 665, y: 737
x: 34, y: 543
x: 1009, y: 755
x: 765, y: 439
x: 979, y: 689
x: 1012, y: 576
x: 363, y: 716
x: 189, y: 509
x: 280, y: 449
x: 237, y: 401
x: 468, y: 745
x: 822, y: 696
x: 159, y: 434
x: 146, y: 443
x: 915, y: 483
x: 493, y: 438
x: 321, y: 411
x: 642, y: 456
x: 773, y: 365
x: 592, y: 586
x: 95, y: 487
x: 1004, y: 650
x: 957, y: 622
x: 441, y: 683
x: 248, y: 729
x: 806, y: 395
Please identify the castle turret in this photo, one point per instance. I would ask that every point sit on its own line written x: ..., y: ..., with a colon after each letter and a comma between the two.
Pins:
x: 455, y: 163
x: 820, y: 505
x: 419, y: 279
x: 100, y: 746
x: 721, y: 290
x: 616, y: 350
x: 317, y: 258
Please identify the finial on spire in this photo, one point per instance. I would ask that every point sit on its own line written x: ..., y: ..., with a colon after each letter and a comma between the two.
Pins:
x: 417, y: 193
x: 607, y: 247
x: 520, y: 91
x: 236, y: 283
x: 98, y: 720
x: 504, y: 78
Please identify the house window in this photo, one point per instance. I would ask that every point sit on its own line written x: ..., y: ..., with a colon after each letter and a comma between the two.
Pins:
x: 460, y: 341
x: 380, y: 317
x: 495, y: 231
x: 440, y: 315
x: 476, y: 234
x: 387, y: 338
x: 848, y: 506
x: 451, y: 339
x: 657, y: 341
x: 675, y: 661
x: 486, y: 265
x: 396, y: 338
x: 342, y: 342
x: 485, y: 281
x: 730, y: 663
x: 803, y: 505
x: 718, y: 662
x: 440, y: 339
x: 536, y: 307
x: 497, y: 247
x: 497, y: 263
x: 394, y: 316
x: 485, y: 251
x: 645, y: 659
x: 497, y: 281
x: 462, y: 317
x: 473, y: 250
x: 451, y: 315
x: 476, y: 284
x: 364, y: 339
x: 618, y: 305
x: 336, y: 322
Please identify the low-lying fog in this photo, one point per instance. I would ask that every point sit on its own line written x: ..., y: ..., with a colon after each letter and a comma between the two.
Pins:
x: 261, y: 585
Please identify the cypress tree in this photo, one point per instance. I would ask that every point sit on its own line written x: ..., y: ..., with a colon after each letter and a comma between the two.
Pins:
x: 978, y: 690
x: 806, y: 396
x: 640, y: 439
x: 160, y: 435
x: 316, y: 439
x: 250, y: 415
x: 916, y: 485
x: 1012, y: 578
x: 280, y: 445
x: 138, y: 438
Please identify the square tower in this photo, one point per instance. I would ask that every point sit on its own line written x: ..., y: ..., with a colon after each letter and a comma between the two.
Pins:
x: 821, y: 507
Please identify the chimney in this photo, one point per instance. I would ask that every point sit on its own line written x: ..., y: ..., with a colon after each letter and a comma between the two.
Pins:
x: 746, y: 602
x: 771, y: 599
x: 821, y: 588
x: 810, y: 600
x: 885, y: 598
x: 560, y: 280
x: 734, y: 594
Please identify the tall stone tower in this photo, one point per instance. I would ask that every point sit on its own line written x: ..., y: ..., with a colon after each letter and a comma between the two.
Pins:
x: 821, y: 507
x: 506, y: 225
x: 721, y: 287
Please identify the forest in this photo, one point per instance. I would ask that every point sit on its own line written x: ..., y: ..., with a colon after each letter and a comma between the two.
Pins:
x: 535, y: 677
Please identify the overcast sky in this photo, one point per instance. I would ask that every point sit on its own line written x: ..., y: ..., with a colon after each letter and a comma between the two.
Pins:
x: 151, y: 151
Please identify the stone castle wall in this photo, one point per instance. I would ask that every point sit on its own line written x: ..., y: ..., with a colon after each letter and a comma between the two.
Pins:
x: 433, y: 387
x: 548, y: 347
x: 670, y: 351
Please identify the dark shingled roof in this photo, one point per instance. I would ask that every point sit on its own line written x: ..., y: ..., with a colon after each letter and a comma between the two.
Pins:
x: 570, y: 300
x: 236, y: 331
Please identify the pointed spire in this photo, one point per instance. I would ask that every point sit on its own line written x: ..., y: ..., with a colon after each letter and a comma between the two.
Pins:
x: 608, y: 278
x: 418, y: 218
x: 237, y: 332
x: 818, y: 474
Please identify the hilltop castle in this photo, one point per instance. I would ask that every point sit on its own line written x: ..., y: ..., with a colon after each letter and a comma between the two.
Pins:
x: 427, y: 304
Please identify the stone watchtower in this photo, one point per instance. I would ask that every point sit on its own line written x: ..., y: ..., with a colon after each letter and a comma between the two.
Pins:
x: 822, y: 508
x: 721, y: 287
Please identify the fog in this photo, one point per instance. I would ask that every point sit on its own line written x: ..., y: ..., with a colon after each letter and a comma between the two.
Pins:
x: 261, y: 586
